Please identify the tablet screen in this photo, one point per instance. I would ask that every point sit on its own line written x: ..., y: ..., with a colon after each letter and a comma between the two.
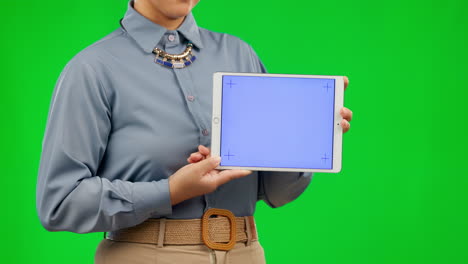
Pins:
x: 277, y: 122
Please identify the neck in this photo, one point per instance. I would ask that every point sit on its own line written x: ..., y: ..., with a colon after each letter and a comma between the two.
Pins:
x: 153, y: 14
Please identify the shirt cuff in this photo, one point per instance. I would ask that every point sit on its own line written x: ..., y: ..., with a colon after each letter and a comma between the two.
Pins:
x: 152, y: 197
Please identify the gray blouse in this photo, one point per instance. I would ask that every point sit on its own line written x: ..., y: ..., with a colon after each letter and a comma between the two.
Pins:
x: 119, y: 125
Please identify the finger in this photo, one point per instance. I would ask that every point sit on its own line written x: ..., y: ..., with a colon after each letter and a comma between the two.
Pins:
x: 346, y: 82
x: 190, y: 160
x: 345, y: 125
x: 204, y: 150
x: 195, y: 157
x: 206, y: 165
x: 346, y: 114
x: 228, y: 175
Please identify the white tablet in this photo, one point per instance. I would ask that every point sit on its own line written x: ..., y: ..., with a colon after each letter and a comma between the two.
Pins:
x: 277, y: 122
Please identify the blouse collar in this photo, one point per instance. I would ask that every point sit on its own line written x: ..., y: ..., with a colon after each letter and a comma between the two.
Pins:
x: 147, y: 33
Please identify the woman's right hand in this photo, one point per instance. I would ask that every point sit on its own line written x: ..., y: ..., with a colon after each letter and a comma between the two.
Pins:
x: 200, y: 178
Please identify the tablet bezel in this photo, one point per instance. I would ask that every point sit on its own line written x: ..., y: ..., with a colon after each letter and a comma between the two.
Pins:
x: 337, y: 133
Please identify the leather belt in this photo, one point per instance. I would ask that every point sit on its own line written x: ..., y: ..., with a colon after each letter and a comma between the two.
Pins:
x: 221, y: 232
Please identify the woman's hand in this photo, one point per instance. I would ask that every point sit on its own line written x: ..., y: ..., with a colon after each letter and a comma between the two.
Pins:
x: 345, y: 112
x: 200, y: 178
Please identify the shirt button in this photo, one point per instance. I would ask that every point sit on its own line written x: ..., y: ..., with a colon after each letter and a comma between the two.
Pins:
x: 205, y: 132
x: 191, y: 98
x: 171, y: 37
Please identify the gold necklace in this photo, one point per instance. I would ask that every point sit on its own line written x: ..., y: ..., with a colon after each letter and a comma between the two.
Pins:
x: 175, y: 61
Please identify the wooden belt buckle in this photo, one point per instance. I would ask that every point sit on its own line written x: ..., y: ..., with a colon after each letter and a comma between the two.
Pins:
x: 205, y: 227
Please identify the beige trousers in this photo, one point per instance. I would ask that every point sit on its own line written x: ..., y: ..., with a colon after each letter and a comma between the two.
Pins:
x: 114, y: 252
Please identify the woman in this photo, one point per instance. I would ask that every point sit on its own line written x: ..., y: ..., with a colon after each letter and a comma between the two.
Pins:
x: 123, y: 119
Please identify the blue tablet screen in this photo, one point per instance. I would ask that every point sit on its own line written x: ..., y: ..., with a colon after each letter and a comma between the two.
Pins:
x: 281, y: 122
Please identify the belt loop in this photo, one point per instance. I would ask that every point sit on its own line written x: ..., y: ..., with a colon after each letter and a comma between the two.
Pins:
x: 248, y: 230
x: 162, y: 232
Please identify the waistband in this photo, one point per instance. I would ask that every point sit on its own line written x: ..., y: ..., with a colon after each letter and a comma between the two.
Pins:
x: 218, y: 229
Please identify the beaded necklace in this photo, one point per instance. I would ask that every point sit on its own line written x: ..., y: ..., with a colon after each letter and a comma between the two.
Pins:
x: 175, y: 61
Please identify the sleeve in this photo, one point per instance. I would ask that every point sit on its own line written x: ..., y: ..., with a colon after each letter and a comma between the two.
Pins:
x: 69, y: 194
x: 278, y: 188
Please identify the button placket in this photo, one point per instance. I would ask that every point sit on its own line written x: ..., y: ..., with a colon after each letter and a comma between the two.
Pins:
x: 186, y: 85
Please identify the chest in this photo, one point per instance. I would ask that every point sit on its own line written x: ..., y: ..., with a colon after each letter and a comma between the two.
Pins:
x: 160, y: 115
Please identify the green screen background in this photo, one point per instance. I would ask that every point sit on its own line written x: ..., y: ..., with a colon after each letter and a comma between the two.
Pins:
x: 402, y: 194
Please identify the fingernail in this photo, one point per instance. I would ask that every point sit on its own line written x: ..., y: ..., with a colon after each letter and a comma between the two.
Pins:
x: 217, y: 159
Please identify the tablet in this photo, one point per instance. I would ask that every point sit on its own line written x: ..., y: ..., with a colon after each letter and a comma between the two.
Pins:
x: 277, y: 122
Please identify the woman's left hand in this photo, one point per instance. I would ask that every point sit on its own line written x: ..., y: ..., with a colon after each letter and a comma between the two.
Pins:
x: 204, y: 152
x: 345, y: 112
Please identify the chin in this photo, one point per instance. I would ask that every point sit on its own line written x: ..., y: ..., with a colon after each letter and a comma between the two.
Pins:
x: 179, y: 12
x: 178, y: 8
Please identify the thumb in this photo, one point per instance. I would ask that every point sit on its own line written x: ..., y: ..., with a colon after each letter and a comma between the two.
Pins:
x: 206, y: 165
x: 228, y: 175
